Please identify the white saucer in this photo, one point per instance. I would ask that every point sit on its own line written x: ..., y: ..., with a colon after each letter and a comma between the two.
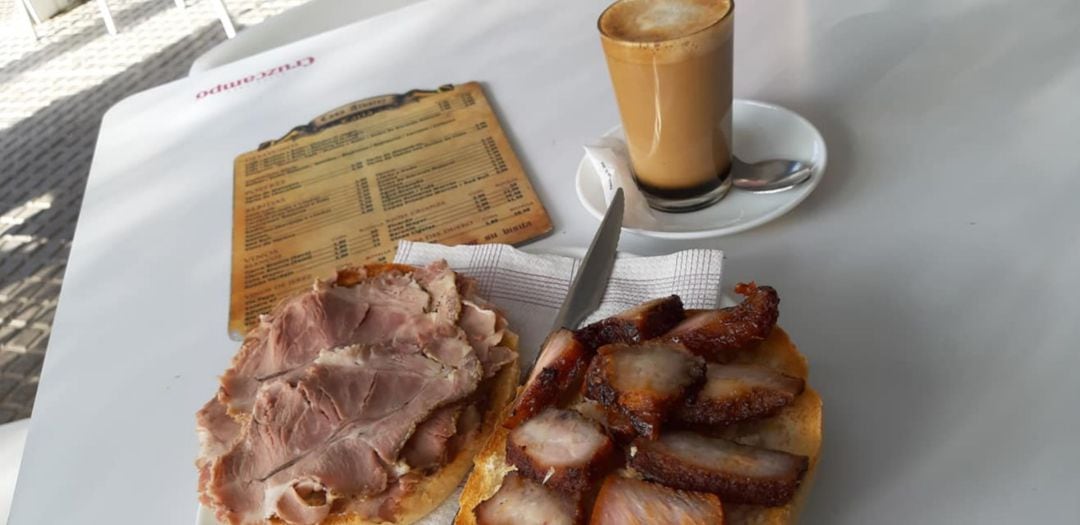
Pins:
x: 762, y: 131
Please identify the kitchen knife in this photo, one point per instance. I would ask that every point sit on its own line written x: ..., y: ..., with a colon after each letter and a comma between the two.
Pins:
x: 591, y: 280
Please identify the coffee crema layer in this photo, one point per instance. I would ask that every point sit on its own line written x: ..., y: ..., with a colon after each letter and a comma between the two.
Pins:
x: 661, y: 20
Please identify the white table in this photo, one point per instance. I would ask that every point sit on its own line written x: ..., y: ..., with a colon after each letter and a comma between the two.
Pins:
x: 932, y: 278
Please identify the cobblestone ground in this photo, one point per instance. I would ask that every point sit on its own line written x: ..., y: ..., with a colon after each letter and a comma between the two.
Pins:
x: 53, y: 93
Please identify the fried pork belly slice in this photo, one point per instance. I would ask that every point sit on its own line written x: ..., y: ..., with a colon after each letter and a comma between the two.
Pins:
x: 628, y: 501
x: 734, y: 393
x: 616, y: 423
x: 737, y: 473
x: 643, y: 381
x: 644, y: 321
x: 561, y: 449
x: 560, y: 365
x: 718, y: 335
x: 522, y: 501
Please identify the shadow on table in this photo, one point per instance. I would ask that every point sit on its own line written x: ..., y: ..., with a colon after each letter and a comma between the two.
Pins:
x: 916, y: 66
x: 46, y: 158
x: 923, y: 65
x: 854, y: 71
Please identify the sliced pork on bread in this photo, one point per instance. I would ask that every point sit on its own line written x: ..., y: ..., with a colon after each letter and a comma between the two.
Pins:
x: 361, y: 401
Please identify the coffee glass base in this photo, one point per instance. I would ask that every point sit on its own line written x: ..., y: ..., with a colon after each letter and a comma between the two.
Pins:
x: 680, y: 204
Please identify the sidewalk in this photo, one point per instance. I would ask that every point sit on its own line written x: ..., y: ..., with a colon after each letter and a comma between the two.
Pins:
x: 53, y: 93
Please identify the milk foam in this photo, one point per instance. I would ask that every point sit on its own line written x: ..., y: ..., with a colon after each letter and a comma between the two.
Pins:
x: 656, y: 20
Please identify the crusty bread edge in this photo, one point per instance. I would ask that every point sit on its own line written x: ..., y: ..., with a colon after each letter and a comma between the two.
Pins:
x: 796, y: 429
x: 489, y: 468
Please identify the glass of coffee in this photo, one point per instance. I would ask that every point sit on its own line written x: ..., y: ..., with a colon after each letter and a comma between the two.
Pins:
x: 671, y: 65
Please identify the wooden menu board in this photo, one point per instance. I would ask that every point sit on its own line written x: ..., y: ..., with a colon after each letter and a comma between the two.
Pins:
x: 342, y: 190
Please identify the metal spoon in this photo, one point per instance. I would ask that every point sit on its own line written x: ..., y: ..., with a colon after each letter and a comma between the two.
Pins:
x: 769, y: 176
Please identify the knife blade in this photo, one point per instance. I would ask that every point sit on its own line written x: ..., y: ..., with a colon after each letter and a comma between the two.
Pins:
x: 588, y: 286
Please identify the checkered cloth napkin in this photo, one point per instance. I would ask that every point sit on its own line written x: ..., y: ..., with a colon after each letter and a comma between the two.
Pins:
x: 529, y: 289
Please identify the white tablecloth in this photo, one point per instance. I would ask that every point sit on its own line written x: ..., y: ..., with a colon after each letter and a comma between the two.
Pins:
x: 931, y: 278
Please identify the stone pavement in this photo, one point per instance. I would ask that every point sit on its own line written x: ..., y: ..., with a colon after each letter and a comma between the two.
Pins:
x: 53, y: 93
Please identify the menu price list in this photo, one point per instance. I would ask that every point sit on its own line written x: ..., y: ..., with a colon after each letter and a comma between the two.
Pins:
x: 433, y: 167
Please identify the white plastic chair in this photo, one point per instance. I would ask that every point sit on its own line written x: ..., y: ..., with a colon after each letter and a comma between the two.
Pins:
x: 312, y: 18
x: 28, y: 16
x: 219, y: 7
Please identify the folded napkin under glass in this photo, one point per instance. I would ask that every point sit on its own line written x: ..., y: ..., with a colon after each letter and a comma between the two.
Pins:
x: 611, y: 162
x: 529, y: 289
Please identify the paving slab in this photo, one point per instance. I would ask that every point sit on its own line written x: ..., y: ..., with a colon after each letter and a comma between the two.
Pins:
x: 53, y: 93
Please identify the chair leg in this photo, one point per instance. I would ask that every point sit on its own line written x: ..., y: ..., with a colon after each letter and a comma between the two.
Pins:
x: 110, y: 26
x: 28, y: 16
x: 28, y: 8
x: 226, y: 20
